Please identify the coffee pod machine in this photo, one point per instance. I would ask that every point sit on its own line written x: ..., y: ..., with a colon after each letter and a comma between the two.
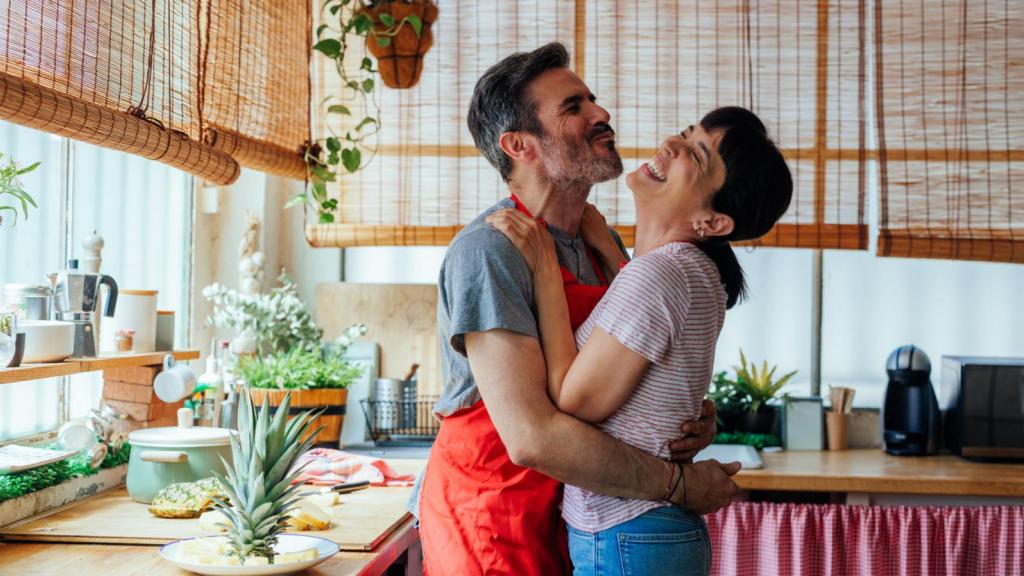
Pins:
x: 76, y: 294
x: 910, y: 412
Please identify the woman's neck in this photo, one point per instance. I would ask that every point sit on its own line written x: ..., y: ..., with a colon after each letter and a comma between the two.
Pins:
x: 654, y: 229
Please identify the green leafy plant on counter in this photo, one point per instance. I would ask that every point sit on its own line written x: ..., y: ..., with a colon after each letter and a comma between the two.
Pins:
x: 758, y: 386
x: 347, y: 21
x: 11, y: 186
x: 298, y: 369
x: 759, y: 441
x: 22, y: 483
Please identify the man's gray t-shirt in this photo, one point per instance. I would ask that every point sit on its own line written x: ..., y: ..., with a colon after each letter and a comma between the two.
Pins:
x: 485, y: 285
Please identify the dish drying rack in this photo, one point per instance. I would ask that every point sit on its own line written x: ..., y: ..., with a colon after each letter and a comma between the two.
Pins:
x: 401, y: 422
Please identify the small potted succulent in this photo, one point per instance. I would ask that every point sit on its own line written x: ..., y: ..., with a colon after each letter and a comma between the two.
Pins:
x: 743, y: 402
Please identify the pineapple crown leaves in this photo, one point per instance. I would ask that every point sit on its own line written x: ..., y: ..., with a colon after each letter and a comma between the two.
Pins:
x: 260, y: 481
x: 758, y: 384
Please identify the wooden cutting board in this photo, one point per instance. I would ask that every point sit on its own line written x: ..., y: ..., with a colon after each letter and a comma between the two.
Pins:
x: 402, y: 318
x: 361, y: 521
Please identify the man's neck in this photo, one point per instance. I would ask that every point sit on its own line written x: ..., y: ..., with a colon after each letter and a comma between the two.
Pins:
x: 560, y: 206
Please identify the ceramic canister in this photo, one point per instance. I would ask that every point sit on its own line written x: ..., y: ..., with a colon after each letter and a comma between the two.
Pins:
x: 136, y: 310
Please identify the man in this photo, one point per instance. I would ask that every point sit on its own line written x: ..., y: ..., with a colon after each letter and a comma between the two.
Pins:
x: 490, y: 495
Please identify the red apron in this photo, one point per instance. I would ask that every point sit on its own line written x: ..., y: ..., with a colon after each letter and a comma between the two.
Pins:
x: 479, y: 512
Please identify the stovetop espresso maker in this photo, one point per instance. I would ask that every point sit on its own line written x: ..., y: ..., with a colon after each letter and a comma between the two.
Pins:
x: 75, y: 294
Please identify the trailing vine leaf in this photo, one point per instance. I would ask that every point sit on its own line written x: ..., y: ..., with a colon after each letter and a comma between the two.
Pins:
x: 347, y: 21
x: 417, y: 24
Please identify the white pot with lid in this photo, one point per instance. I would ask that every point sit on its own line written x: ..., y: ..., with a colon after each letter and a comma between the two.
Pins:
x: 183, y: 453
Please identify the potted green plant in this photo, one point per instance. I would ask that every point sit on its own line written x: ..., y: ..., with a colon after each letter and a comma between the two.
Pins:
x: 313, y: 377
x: 400, y: 51
x: 743, y: 401
x: 400, y: 30
x: 11, y: 185
x: 286, y: 354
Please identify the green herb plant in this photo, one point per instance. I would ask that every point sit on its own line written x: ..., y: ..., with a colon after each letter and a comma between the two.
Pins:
x: 347, y: 21
x: 298, y: 369
x: 11, y: 186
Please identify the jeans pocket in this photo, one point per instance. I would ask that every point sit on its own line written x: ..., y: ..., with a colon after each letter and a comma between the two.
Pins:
x: 582, y: 552
x: 676, y: 554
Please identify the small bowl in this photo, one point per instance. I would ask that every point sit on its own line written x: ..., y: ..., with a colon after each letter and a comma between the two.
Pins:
x: 47, y: 340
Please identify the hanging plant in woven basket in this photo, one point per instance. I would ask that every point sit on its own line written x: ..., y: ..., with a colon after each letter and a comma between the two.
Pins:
x: 400, y: 56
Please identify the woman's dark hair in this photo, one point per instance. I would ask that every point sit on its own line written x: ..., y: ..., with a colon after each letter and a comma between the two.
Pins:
x: 757, y: 190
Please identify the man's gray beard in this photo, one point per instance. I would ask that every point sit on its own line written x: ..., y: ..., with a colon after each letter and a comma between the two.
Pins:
x: 569, y: 165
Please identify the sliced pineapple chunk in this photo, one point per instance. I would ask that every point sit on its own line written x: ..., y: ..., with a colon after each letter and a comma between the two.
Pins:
x: 308, y: 515
x: 301, y: 556
x: 214, y: 521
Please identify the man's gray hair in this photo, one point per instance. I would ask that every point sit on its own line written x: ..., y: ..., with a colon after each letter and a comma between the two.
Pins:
x: 501, y: 104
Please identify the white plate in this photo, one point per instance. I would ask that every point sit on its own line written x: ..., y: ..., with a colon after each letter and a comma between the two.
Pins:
x: 725, y: 453
x: 285, y: 543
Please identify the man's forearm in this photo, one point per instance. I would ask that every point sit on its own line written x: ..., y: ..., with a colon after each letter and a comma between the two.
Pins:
x: 576, y: 453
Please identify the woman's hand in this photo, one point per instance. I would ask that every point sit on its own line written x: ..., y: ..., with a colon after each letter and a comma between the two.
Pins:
x: 594, y: 229
x: 529, y: 236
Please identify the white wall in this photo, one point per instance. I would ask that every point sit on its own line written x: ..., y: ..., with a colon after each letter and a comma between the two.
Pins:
x: 217, y: 238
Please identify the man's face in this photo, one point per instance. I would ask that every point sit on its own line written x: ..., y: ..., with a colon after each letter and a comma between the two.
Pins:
x: 578, y: 146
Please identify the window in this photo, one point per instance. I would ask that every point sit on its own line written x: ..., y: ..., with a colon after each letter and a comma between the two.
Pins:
x: 141, y: 208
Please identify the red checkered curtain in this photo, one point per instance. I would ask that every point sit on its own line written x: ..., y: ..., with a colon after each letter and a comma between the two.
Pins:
x: 658, y: 67
x: 949, y: 99
x: 836, y: 540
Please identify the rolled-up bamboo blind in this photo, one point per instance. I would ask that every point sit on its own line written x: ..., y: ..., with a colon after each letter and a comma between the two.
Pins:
x: 162, y: 79
x: 949, y: 100
x: 657, y: 67
x: 256, y: 92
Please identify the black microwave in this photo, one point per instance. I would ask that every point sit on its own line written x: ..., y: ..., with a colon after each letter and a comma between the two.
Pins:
x: 982, y: 403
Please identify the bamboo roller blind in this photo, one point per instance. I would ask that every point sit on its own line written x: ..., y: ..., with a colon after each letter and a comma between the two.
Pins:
x: 201, y: 85
x: 657, y: 67
x: 950, y: 99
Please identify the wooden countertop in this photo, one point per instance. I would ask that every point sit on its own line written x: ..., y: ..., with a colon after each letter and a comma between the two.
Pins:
x: 874, y: 471
x: 45, y: 558
x: 30, y: 558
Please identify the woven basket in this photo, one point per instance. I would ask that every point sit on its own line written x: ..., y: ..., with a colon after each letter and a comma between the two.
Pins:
x: 332, y: 399
x: 401, y: 62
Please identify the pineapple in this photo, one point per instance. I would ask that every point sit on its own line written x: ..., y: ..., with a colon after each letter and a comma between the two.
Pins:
x: 260, y: 482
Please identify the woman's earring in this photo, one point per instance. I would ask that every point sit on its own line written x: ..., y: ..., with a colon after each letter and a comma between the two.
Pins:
x: 700, y: 231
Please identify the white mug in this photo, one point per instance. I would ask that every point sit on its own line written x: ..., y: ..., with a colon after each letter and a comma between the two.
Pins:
x: 176, y: 382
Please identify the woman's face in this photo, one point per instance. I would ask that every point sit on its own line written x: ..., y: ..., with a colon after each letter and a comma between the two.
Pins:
x: 684, y: 173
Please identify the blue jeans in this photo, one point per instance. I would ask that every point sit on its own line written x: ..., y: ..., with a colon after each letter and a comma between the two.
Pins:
x: 669, y: 541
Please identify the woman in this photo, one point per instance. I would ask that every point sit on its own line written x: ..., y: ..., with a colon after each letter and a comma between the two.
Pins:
x: 645, y: 354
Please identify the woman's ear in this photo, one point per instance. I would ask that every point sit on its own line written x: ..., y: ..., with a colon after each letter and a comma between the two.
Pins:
x: 718, y: 224
x: 517, y: 145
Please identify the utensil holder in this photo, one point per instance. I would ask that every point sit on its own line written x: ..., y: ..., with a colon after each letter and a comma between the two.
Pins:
x: 838, y: 428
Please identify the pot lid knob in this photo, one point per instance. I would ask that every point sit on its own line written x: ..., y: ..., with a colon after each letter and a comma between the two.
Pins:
x: 184, y: 417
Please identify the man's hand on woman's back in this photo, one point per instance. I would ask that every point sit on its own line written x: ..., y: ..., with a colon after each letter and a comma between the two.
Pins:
x: 696, y: 435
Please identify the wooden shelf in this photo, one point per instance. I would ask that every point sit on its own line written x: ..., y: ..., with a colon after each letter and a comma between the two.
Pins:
x: 80, y: 365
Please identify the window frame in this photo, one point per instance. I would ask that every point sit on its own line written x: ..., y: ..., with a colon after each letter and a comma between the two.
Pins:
x: 66, y: 203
